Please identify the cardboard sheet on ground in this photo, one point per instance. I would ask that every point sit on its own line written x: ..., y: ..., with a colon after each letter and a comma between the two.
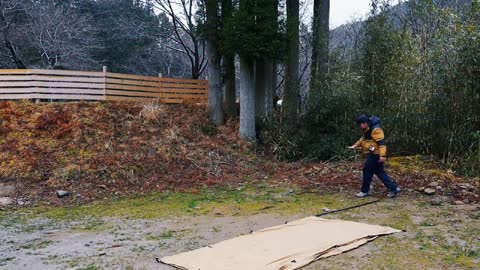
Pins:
x: 284, y: 247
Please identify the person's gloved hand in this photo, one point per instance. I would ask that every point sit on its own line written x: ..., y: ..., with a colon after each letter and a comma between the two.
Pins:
x: 382, y: 159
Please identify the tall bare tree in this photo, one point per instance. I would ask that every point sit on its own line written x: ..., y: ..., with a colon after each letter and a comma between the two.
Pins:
x: 10, y: 13
x: 61, y: 36
x: 186, y: 35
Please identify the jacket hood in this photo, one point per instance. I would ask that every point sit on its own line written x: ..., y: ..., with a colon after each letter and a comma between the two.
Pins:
x: 374, y: 122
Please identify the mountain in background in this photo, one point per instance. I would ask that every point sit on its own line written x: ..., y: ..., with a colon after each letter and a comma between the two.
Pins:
x: 349, y: 35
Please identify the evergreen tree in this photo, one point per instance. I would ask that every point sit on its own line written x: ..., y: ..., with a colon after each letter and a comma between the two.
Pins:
x: 250, y: 36
x: 320, y: 43
x: 291, y: 92
x: 214, y: 60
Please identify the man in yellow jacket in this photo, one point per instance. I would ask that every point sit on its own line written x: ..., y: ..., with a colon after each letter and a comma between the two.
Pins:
x: 372, y: 145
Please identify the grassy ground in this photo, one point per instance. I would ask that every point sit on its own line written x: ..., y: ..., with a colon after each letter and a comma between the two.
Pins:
x: 129, y: 233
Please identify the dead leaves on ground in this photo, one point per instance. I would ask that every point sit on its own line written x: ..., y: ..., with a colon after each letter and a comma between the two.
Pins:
x: 129, y: 148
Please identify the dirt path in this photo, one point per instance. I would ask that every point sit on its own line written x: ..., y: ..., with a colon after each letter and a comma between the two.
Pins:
x: 436, y: 237
x: 117, y: 243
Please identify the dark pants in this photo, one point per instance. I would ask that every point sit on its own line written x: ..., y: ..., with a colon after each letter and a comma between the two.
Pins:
x: 371, y: 167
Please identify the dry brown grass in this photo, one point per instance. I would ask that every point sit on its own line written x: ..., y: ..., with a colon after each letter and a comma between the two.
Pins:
x: 153, y: 111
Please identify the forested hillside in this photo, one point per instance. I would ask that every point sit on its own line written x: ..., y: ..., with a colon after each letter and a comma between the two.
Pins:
x: 416, y: 66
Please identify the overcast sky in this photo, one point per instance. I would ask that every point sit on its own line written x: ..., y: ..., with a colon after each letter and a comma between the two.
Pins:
x: 342, y: 11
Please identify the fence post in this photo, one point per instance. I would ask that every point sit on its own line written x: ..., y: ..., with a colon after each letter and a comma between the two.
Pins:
x: 160, y: 75
x: 34, y: 87
x: 105, y: 69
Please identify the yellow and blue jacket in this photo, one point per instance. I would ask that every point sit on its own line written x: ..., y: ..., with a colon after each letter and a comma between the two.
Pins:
x: 373, y: 139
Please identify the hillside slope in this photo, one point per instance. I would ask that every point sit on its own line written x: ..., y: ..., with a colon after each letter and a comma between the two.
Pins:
x: 95, y: 150
x: 122, y: 147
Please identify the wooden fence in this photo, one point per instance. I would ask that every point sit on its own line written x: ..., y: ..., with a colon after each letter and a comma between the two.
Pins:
x: 80, y: 85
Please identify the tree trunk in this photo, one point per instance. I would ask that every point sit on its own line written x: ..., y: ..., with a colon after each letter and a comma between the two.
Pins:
x: 229, y: 92
x: 13, y: 54
x: 291, y: 93
x: 264, y: 88
x: 269, y: 87
x: 5, y: 26
x: 274, y: 84
x: 260, y: 88
x: 215, y: 87
x: 272, y: 73
x: 214, y: 68
x: 320, y: 43
x: 247, y: 99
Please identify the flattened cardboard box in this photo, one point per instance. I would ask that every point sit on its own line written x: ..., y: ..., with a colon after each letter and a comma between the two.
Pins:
x: 284, y: 247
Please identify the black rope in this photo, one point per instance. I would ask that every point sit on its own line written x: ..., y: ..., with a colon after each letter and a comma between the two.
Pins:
x: 348, y: 208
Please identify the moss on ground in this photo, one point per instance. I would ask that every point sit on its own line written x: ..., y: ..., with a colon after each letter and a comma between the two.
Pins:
x: 221, y: 201
x: 417, y: 164
x: 37, y: 244
x: 435, y: 237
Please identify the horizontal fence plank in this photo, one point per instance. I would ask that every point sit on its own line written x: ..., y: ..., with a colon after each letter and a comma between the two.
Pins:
x: 16, y: 96
x: 69, y: 91
x: 7, y: 71
x: 157, y: 95
x: 154, y: 89
x: 155, y: 79
x: 67, y: 96
x: 51, y: 78
x: 16, y: 84
x: 132, y: 82
x: 143, y: 99
x: 176, y: 80
x: 52, y: 90
x: 50, y: 84
x: 4, y: 72
x: 156, y: 84
x: 16, y: 90
x: 131, y: 87
x: 186, y: 91
x: 131, y: 77
x: 53, y: 97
